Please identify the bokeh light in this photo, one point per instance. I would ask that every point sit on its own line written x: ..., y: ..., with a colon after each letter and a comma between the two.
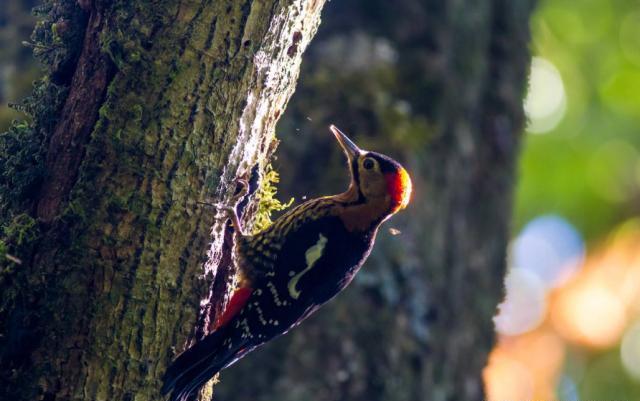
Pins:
x: 546, y: 254
x: 525, y: 304
x: 546, y: 100
x: 588, y: 175
x: 567, y: 389
x: 630, y: 350
x: 550, y: 247
x: 506, y: 378
x: 589, y: 314
x: 525, y: 367
x: 591, y: 310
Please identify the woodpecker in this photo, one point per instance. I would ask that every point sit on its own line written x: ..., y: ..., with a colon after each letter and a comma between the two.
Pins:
x: 294, y: 266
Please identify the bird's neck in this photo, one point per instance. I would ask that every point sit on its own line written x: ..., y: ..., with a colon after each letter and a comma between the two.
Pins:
x: 359, y: 214
x: 351, y: 195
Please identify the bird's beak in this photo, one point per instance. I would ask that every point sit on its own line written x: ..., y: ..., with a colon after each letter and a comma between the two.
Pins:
x: 346, y: 144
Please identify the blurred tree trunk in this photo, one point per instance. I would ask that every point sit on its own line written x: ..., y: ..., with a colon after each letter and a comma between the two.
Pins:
x: 438, y: 85
x: 147, y: 108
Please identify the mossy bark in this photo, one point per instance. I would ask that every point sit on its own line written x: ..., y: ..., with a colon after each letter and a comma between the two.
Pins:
x: 416, y: 323
x: 157, y: 105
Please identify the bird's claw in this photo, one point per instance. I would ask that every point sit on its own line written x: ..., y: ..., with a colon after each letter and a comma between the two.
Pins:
x: 230, y: 211
x: 243, y: 191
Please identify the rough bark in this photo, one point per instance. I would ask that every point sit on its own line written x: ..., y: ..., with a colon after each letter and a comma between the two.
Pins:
x: 158, y: 105
x: 417, y: 322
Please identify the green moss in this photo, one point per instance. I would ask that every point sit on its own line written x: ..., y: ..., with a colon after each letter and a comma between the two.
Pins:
x: 267, y: 201
x: 56, y: 41
x: 126, y: 236
x: 22, y: 230
x: 22, y: 147
x: 57, y: 38
x: 18, y: 237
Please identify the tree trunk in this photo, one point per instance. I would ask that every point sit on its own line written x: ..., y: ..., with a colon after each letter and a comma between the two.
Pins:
x: 147, y: 108
x: 416, y: 324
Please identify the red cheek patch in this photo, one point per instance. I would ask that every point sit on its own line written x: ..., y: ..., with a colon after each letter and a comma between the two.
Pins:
x: 399, y: 187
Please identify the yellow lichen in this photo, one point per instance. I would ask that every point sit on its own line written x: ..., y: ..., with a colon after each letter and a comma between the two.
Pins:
x: 267, y: 201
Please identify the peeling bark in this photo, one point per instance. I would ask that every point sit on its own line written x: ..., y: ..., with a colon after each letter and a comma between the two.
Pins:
x: 170, y: 102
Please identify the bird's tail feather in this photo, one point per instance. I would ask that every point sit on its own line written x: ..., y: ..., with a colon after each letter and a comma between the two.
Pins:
x: 195, y: 366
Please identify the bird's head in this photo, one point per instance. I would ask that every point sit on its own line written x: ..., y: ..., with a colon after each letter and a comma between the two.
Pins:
x: 375, y: 179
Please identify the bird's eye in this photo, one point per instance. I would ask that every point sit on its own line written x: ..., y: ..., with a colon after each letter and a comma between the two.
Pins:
x: 368, y: 164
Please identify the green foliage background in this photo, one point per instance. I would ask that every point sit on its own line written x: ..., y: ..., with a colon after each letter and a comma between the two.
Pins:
x: 587, y: 169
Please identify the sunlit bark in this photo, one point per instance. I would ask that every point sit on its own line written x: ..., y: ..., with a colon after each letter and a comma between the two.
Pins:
x: 166, y: 104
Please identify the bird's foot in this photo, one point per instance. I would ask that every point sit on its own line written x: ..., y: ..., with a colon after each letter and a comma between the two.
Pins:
x: 242, y: 190
x: 230, y: 211
x: 233, y: 215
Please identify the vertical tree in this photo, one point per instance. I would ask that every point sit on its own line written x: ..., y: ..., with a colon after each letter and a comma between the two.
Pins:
x: 439, y: 85
x: 147, y: 107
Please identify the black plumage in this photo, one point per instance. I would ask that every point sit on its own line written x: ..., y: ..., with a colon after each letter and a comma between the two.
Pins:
x: 300, y: 262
